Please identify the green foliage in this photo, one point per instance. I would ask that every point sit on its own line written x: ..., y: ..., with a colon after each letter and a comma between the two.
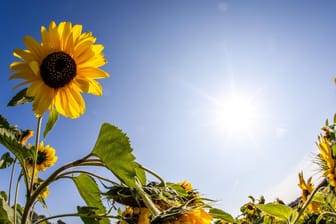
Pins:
x: 279, y: 211
x: 114, y: 149
x: 52, y: 118
x: 90, y: 193
x: 9, y: 138
x: 164, y: 196
x: 7, y: 213
x: 6, y: 160
x: 20, y: 98
x: 88, y: 215
x: 221, y: 215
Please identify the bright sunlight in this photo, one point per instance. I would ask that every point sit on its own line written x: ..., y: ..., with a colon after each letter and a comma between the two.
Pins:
x: 238, y: 114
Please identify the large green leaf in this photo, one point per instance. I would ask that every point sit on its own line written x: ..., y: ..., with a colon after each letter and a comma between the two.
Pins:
x: 52, y: 118
x: 20, y: 98
x: 9, y: 139
x: 276, y: 210
x: 90, y: 193
x: 7, y: 213
x: 88, y: 215
x: 220, y: 214
x: 114, y: 149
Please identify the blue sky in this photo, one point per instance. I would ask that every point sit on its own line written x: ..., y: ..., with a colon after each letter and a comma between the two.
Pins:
x: 175, y: 66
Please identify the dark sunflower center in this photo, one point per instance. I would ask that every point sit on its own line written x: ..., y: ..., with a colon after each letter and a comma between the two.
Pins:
x: 41, y: 157
x: 58, y: 69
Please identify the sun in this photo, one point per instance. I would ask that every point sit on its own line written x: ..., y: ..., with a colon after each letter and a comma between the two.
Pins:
x: 234, y: 113
x: 237, y: 114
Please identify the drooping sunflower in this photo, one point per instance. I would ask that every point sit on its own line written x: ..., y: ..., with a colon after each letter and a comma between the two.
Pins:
x: 135, y: 215
x: 307, y: 188
x: 45, y: 158
x: 327, y: 160
x: 59, y: 68
x: 198, y: 216
x: 186, y: 185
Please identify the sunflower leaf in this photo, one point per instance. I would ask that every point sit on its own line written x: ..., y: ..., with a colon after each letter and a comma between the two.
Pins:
x: 52, y: 118
x: 279, y: 211
x: 7, y: 213
x: 220, y: 214
x: 6, y: 160
x: 89, y: 191
x: 8, y: 138
x: 114, y: 149
x: 20, y: 98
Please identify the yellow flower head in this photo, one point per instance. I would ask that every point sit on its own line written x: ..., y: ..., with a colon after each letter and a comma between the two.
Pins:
x: 26, y: 135
x: 186, y: 185
x: 197, y: 216
x: 45, y: 193
x: 306, y: 187
x: 46, y: 157
x: 328, y: 162
x: 59, y: 68
x: 142, y: 215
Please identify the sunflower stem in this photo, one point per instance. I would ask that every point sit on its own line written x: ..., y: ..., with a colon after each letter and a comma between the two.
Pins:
x: 16, y: 196
x: 305, y: 205
x: 11, y: 181
x: 37, y: 141
x: 45, y: 183
x: 64, y: 175
x: 75, y: 215
x: 154, y: 174
x: 146, y: 199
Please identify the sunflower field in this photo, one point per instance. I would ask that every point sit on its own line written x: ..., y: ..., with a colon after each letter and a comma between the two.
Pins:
x: 55, y: 72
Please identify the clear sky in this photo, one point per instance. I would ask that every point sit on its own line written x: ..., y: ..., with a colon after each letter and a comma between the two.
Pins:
x: 229, y: 95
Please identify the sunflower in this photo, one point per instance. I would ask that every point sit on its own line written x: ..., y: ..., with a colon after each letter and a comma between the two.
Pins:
x: 306, y: 187
x: 45, y: 158
x: 327, y: 160
x: 25, y: 136
x: 136, y: 215
x: 186, y: 185
x: 197, y: 216
x: 59, y: 68
x: 44, y: 194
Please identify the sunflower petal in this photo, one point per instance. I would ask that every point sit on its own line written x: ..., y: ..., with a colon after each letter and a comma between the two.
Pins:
x: 34, y: 47
x: 69, y: 102
x: 90, y: 86
x: 92, y: 73
x: 43, y: 100
x: 34, y: 66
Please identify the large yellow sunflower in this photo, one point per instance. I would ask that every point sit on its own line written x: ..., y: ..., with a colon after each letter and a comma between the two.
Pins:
x: 59, y: 68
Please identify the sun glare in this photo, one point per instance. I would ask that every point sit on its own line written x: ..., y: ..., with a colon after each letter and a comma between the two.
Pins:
x: 237, y: 115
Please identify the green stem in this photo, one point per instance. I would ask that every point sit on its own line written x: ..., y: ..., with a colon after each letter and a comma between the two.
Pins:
x: 305, y: 205
x: 332, y: 214
x: 148, y: 202
x: 37, y: 142
x: 74, y: 215
x: 44, y: 184
x: 16, y: 196
x: 154, y: 174
x: 64, y: 175
x: 11, y: 181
